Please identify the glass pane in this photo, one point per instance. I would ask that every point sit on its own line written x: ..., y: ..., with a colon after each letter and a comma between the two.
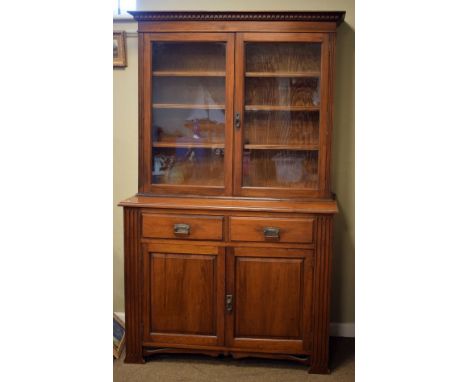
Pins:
x: 282, y: 115
x: 281, y: 128
x: 189, y: 56
x: 206, y: 91
x: 180, y: 126
x: 188, y: 166
x: 282, y: 57
x: 280, y: 168
x: 188, y: 122
x: 282, y: 91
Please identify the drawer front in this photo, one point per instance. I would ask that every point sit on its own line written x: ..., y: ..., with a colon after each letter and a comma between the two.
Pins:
x: 282, y: 230
x: 195, y: 227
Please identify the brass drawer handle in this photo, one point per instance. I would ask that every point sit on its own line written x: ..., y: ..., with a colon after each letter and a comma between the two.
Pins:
x: 181, y: 229
x: 271, y: 232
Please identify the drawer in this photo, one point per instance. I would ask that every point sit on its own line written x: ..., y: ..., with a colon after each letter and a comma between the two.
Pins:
x: 283, y: 230
x: 196, y: 227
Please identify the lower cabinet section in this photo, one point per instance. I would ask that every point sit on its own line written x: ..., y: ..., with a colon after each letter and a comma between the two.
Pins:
x: 225, y: 297
x: 259, y: 299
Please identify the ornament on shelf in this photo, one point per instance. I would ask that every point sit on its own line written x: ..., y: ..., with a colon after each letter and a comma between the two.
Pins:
x: 196, y: 129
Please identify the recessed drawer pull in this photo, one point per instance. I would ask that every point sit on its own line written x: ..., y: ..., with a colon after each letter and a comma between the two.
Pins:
x: 181, y: 229
x: 271, y: 232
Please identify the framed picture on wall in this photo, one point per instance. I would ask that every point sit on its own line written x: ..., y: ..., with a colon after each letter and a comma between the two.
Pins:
x: 119, y: 49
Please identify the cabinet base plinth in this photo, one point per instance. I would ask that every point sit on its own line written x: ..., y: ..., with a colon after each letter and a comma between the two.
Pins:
x: 134, y: 358
x: 319, y: 369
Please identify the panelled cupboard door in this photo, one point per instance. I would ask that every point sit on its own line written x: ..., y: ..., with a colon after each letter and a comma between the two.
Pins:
x: 183, y: 300
x: 281, y: 114
x: 271, y: 292
x: 186, y: 89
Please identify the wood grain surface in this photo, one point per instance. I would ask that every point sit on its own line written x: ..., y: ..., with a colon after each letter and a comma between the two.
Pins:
x: 249, y: 272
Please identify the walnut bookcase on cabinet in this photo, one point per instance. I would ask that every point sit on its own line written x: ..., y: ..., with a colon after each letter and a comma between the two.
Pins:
x: 228, y: 242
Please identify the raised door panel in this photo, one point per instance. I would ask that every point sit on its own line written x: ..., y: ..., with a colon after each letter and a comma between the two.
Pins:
x: 269, y: 297
x: 271, y: 291
x: 184, y: 290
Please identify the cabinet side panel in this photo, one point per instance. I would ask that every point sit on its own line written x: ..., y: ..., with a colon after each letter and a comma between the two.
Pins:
x: 330, y: 110
x: 141, y: 156
x: 133, y: 287
x: 321, y: 296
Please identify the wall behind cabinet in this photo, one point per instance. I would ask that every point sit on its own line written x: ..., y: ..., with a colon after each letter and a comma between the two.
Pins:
x: 126, y: 135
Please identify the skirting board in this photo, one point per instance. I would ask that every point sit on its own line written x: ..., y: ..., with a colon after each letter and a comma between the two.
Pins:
x: 337, y: 329
x: 342, y: 329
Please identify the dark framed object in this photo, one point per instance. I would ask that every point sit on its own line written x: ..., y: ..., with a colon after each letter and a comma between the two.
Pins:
x: 119, y: 49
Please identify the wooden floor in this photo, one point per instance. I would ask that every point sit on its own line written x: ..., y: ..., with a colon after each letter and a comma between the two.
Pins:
x: 199, y: 368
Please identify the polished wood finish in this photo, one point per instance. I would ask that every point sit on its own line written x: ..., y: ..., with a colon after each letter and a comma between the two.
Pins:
x: 336, y: 17
x: 281, y: 147
x: 281, y: 108
x: 232, y: 259
x: 189, y: 145
x: 188, y: 73
x: 290, y: 230
x: 209, y: 187
x: 133, y: 291
x: 317, y: 188
x: 161, y: 226
x: 321, y: 296
x: 215, y: 353
x: 183, y: 294
x: 322, y: 206
x: 283, y: 74
x: 272, y: 299
x: 187, y: 106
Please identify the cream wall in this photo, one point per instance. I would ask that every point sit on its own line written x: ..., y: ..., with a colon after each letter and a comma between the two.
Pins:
x: 126, y: 134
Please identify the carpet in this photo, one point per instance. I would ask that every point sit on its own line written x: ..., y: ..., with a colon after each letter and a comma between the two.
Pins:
x: 200, y: 368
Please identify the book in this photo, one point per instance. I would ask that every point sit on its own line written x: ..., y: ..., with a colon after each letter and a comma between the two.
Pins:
x: 119, y: 336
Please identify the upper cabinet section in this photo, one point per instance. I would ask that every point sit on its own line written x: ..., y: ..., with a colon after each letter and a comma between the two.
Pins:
x: 188, y: 113
x: 242, y: 112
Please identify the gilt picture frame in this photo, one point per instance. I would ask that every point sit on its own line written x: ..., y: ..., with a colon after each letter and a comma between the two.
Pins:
x: 120, y: 49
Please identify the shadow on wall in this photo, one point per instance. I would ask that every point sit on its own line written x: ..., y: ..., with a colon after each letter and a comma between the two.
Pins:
x: 342, y: 304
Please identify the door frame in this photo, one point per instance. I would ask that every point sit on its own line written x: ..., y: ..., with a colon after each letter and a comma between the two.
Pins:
x: 239, y: 95
x: 145, y: 185
x: 170, y: 339
x: 273, y: 345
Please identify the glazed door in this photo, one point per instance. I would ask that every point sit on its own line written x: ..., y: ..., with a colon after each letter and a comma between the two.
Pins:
x: 281, y: 114
x: 269, y: 291
x: 187, y: 99
x: 183, y: 301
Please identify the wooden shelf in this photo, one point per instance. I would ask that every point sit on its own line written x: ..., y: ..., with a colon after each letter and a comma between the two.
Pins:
x: 283, y: 74
x: 202, y: 145
x: 185, y: 106
x: 188, y: 73
x: 281, y: 108
x: 282, y: 147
